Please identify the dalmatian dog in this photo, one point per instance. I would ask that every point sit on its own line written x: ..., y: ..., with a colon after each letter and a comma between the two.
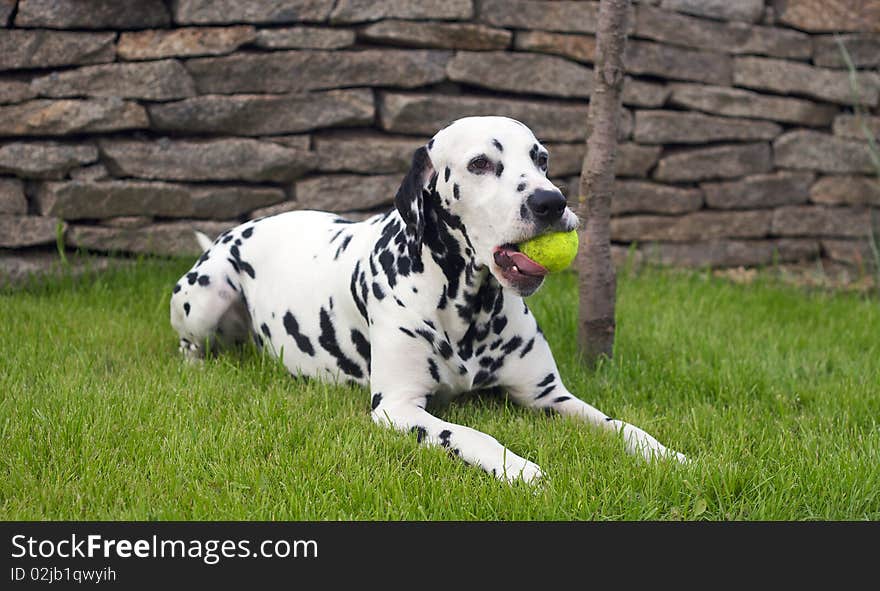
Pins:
x: 423, y: 302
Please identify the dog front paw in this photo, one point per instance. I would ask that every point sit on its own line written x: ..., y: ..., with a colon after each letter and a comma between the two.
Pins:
x: 664, y: 454
x: 520, y: 470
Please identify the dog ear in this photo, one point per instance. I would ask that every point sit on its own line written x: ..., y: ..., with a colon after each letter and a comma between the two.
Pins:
x: 410, y: 201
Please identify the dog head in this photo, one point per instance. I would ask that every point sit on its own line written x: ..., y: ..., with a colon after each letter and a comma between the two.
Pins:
x: 489, y: 175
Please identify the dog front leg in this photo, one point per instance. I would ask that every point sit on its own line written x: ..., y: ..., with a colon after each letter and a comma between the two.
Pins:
x: 470, y: 445
x: 536, y: 384
x: 636, y: 440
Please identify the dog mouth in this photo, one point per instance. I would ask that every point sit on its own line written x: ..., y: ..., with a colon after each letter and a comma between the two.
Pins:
x: 521, y: 272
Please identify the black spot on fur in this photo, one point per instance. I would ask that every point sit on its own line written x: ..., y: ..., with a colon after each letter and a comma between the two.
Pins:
x: 456, y: 192
x: 227, y: 238
x: 204, y: 280
x: 425, y: 334
x: 302, y: 341
x: 365, y: 290
x: 482, y: 377
x: 230, y: 283
x: 441, y: 305
x: 240, y: 264
x: 445, y: 349
x: 431, y: 143
x: 247, y: 233
x: 404, y: 265
x: 546, y: 391
x: 264, y: 328
x: 234, y: 265
x: 176, y: 288
x: 498, y: 324
x: 192, y: 277
x: 445, y: 434
x: 446, y: 174
x: 561, y: 399
x: 533, y: 153
x: 546, y: 380
x: 521, y: 187
x: 499, y: 169
x: 386, y: 260
x: 511, y: 345
x: 407, y: 332
x: 497, y: 144
x: 499, y: 302
x: 203, y: 258
x: 466, y: 344
x: 186, y: 308
x: 420, y: 432
x: 342, y: 247
x: 432, y: 368
x: 388, y: 232
x: 377, y: 291
x: 361, y: 304
x: 361, y: 344
x: 376, y: 401
x: 527, y: 348
x: 328, y: 341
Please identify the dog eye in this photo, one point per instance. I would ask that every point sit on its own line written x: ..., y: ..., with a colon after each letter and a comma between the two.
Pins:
x: 542, y: 162
x: 479, y: 165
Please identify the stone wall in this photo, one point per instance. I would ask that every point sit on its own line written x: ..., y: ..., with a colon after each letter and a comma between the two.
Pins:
x: 132, y: 121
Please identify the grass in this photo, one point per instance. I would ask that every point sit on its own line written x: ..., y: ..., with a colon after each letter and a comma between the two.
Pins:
x: 773, y: 392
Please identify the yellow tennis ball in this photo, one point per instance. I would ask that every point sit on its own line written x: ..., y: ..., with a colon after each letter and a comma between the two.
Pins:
x: 553, y: 251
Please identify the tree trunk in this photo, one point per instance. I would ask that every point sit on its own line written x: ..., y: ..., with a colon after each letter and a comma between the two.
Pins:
x: 597, y: 282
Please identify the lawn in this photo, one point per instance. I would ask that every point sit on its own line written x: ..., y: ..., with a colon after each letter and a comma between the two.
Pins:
x: 772, y: 391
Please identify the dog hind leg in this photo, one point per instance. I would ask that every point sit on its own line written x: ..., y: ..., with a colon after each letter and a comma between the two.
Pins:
x: 207, y: 309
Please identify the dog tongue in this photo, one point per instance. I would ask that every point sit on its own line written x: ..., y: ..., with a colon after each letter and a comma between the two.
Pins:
x: 507, y: 258
x: 526, y: 265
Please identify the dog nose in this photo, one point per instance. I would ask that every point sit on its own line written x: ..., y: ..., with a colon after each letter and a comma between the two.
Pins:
x: 547, y: 206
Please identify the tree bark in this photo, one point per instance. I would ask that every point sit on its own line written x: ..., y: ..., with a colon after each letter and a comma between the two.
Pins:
x: 597, y: 281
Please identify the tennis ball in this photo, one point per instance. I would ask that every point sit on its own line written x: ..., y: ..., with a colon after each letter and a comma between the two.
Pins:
x: 554, y: 251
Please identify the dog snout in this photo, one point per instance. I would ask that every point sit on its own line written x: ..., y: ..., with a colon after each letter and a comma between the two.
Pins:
x: 546, y: 205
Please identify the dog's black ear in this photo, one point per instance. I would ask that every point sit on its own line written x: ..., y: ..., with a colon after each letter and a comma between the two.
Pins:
x: 410, y: 201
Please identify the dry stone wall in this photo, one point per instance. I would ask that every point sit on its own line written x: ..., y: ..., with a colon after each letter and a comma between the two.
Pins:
x: 130, y: 122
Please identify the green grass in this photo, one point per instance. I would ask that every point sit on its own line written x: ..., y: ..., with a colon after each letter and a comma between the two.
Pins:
x: 773, y: 392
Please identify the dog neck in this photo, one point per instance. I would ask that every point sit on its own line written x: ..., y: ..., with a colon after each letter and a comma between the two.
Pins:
x: 468, y: 286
